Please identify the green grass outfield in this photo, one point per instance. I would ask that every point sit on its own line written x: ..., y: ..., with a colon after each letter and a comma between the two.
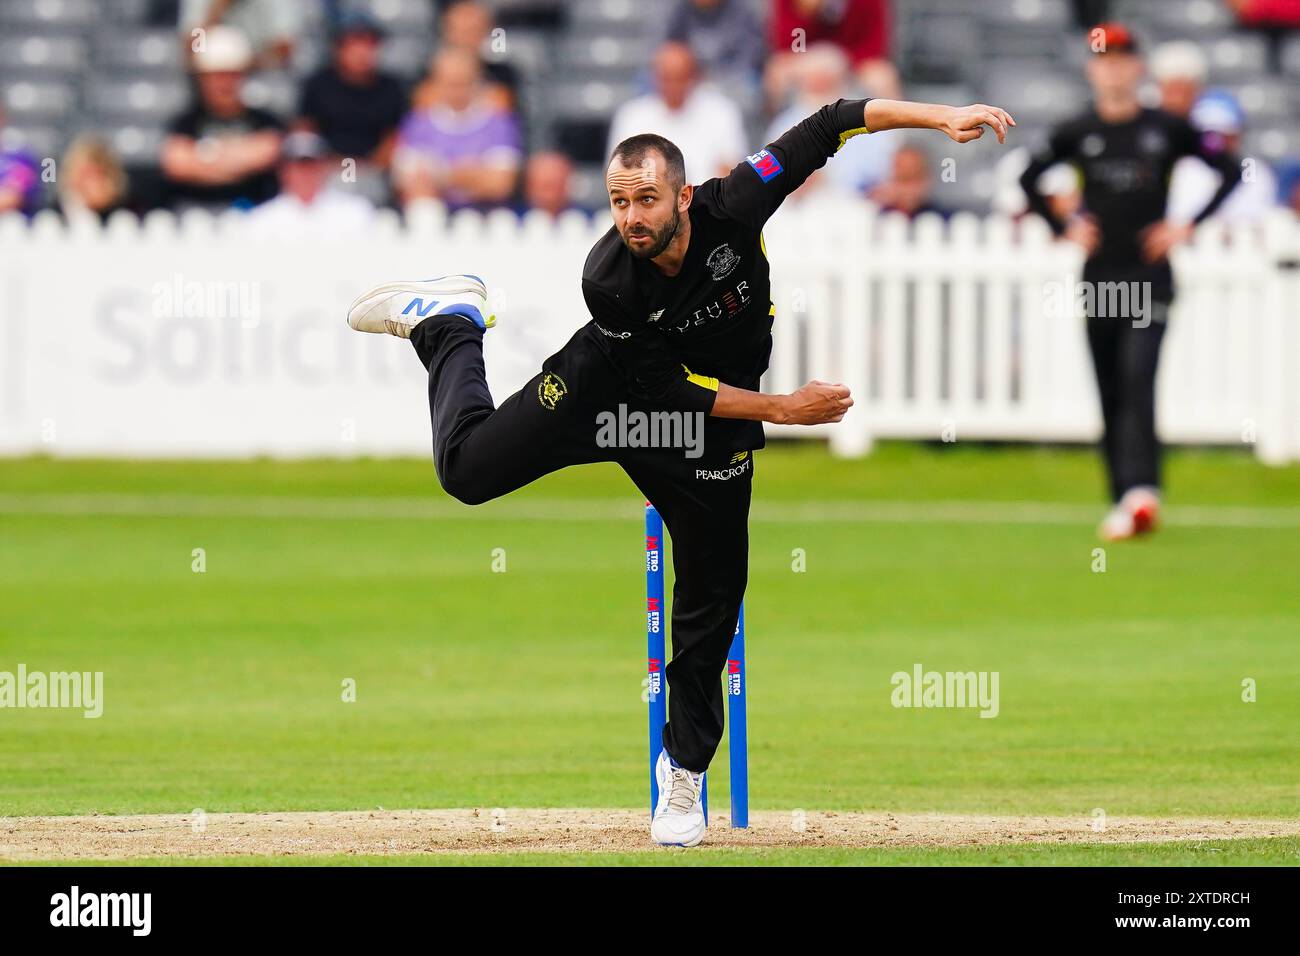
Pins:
x: 1119, y: 690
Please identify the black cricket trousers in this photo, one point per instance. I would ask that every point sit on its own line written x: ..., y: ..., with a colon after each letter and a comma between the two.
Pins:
x: 1125, y: 357
x: 482, y: 452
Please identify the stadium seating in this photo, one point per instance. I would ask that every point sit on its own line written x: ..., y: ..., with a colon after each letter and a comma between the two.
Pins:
x: 115, y: 66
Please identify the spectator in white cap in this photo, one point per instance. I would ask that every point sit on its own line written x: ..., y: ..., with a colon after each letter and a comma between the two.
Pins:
x: 220, y: 152
x: 1221, y: 121
x: 271, y: 26
x: 1179, y: 70
x: 307, y: 205
x: 1059, y: 185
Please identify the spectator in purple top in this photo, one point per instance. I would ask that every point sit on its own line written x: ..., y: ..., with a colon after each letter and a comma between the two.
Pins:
x: 20, y: 179
x: 463, y: 151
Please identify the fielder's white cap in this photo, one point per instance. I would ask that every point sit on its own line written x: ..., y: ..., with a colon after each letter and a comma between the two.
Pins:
x: 1178, y: 60
x: 224, y: 49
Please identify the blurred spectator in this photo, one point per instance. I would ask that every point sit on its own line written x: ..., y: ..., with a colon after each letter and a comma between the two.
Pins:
x: 1008, y: 198
x: 464, y: 150
x: 467, y: 25
x: 822, y: 76
x: 704, y: 124
x: 306, y: 205
x: 1179, y: 69
x: 860, y: 27
x: 1088, y: 13
x: 1289, y: 190
x: 354, y: 106
x: 220, y: 152
x: 1275, y: 19
x: 909, y: 186
x: 548, y: 181
x: 92, y: 181
x: 1284, y: 14
x: 1060, y: 185
x: 270, y: 25
x: 20, y: 179
x: 1221, y: 121
x: 725, y: 37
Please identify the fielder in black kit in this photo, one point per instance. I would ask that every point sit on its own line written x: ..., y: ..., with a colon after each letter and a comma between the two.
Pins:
x: 1126, y: 154
x: 681, y: 320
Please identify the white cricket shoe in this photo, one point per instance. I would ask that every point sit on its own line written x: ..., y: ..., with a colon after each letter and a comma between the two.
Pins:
x: 679, y: 816
x: 398, y: 307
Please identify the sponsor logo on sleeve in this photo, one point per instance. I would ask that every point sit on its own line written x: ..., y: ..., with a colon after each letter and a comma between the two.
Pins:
x: 765, y: 164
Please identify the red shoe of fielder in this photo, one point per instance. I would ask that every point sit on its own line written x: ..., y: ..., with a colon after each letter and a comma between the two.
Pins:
x: 1138, y: 512
x: 1143, y: 503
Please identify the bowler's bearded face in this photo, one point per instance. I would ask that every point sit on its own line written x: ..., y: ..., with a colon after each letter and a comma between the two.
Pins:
x: 644, y: 205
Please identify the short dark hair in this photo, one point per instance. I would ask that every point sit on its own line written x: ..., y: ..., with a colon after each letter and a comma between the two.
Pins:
x: 633, y: 150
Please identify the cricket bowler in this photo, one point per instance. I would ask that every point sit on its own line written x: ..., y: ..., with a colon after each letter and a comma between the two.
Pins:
x: 681, y: 321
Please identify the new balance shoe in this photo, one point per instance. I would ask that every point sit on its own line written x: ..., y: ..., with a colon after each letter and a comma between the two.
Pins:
x: 679, y: 816
x: 398, y: 307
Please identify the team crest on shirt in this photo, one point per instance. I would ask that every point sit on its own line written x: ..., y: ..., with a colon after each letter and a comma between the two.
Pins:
x: 1092, y: 145
x: 722, y: 261
x: 550, y: 390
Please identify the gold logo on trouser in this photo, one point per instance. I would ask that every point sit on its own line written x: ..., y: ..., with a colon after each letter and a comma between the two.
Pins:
x: 550, y: 390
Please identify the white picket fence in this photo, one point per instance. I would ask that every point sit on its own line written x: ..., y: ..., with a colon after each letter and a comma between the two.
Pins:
x: 190, y: 338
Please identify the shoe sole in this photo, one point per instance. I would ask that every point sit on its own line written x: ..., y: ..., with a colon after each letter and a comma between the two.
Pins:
x: 683, y: 845
x: 695, y: 842
x: 443, y: 285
